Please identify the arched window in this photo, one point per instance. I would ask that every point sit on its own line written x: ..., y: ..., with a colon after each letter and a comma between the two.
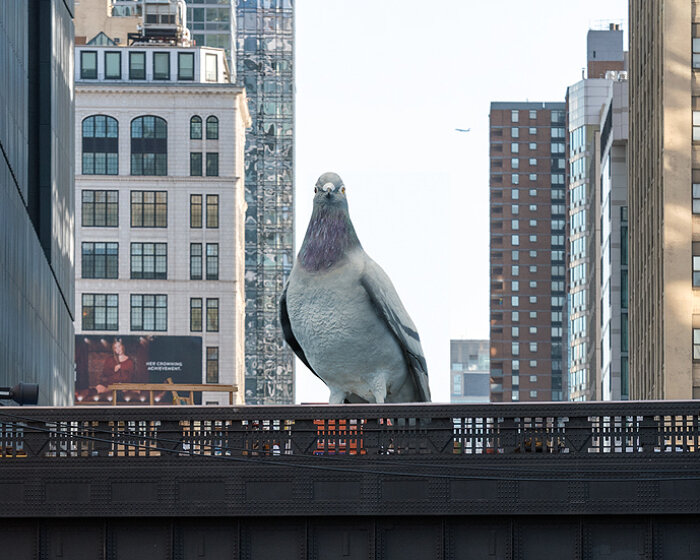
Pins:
x: 100, y: 145
x: 149, y: 146
x: 212, y: 128
x: 196, y: 128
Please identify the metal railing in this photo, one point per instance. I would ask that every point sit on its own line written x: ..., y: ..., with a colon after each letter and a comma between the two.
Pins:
x: 359, y: 431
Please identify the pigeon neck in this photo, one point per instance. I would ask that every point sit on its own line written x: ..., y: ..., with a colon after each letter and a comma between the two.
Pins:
x: 329, y: 236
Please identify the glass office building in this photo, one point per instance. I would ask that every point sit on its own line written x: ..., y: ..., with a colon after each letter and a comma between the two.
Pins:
x: 262, y: 56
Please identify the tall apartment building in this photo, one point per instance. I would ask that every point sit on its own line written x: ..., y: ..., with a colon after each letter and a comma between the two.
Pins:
x: 527, y: 253
x: 664, y: 200
x: 160, y: 215
x: 614, y: 347
x: 263, y: 55
x: 586, y: 101
x: 469, y: 371
x: 36, y: 198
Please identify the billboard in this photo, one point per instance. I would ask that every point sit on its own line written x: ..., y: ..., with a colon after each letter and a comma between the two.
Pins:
x: 101, y: 360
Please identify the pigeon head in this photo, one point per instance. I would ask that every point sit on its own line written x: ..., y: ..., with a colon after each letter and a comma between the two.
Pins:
x: 330, y: 233
x: 330, y: 189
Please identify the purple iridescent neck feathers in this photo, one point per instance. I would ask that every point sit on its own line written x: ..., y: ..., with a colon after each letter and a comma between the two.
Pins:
x: 329, y: 235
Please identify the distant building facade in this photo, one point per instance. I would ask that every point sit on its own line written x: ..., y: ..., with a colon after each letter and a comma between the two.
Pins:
x: 260, y: 38
x: 160, y: 203
x: 614, y: 253
x: 594, y: 316
x: 527, y: 252
x: 469, y: 371
x: 664, y: 200
x: 36, y: 201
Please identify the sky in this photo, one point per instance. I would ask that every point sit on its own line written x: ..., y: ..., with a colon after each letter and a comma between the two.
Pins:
x: 381, y: 87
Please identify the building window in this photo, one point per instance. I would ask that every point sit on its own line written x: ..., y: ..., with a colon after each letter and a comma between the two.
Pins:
x: 532, y: 131
x: 212, y: 128
x: 212, y: 211
x: 185, y: 66
x: 196, y: 314
x: 696, y: 198
x: 196, y: 128
x: 113, y: 65
x: 696, y: 345
x: 212, y: 364
x: 149, y: 312
x: 514, y: 348
x: 100, y: 260
x: 137, y: 65
x: 696, y: 271
x: 100, y: 312
x: 514, y: 148
x: 514, y: 163
x: 100, y: 208
x: 195, y: 210
x: 88, y: 65
x: 533, y: 114
x: 514, y: 116
x: 161, y: 66
x: 149, y: 261
x: 514, y: 301
x: 696, y: 126
x: 149, y: 209
x: 533, y: 347
x: 196, y: 164
x: 533, y: 161
x: 533, y: 394
x: 212, y: 261
x: 195, y: 261
x: 696, y: 52
x: 212, y: 164
x: 212, y: 314
x: 100, y: 145
x: 515, y: 132
x: 149, y: 146
x: 211, y: 71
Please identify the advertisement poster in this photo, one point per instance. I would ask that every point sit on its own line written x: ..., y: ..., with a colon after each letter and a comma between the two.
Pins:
x: 102, y: 360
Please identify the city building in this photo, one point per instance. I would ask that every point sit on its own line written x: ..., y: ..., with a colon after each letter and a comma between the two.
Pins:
x: 664, y: 200
x: 264, y: 63
x: 104, y: 22
x: 36, y: 201
x: 160, y: 214
x: 469, y: 371
x: 589, y: 323
x: 527, y: 251
x: 258, y: 38
x: 614, y: 346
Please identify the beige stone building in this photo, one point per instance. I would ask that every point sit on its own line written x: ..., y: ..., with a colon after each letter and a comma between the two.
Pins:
x: 160, y: 207
x: 115, y: 18
x: 664, y: 200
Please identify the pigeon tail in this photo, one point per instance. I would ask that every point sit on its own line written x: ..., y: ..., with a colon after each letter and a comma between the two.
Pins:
x: 329, y: 235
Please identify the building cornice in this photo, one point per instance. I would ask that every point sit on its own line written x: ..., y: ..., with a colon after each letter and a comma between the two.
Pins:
x: 151, y: 88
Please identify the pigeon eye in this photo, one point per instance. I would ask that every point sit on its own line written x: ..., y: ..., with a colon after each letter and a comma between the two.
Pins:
x: 315, y: 189
x: 342, y: 190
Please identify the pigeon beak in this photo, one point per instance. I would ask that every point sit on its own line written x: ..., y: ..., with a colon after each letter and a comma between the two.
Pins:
x: 329, y: 190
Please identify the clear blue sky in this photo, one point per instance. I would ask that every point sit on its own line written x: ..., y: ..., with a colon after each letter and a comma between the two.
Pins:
x: 381, y: 87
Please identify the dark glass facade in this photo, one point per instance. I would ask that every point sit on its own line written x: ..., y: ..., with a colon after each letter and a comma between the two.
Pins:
x: 264, y: 64
x: 37, y: 198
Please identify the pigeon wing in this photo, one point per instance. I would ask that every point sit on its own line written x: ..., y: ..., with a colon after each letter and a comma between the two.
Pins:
x: 388, y: 306
x: 289, y: 334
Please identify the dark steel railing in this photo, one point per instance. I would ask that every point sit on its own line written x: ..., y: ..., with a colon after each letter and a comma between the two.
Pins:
x: 359, y: 431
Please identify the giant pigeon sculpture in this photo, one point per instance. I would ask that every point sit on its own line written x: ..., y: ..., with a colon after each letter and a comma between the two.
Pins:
x: 342, y: 316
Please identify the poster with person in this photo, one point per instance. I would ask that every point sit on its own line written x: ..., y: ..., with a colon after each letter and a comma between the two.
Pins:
x: 103, y: 360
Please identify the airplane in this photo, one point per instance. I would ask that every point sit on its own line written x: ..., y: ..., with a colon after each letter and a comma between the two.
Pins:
x: 462, y: 129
